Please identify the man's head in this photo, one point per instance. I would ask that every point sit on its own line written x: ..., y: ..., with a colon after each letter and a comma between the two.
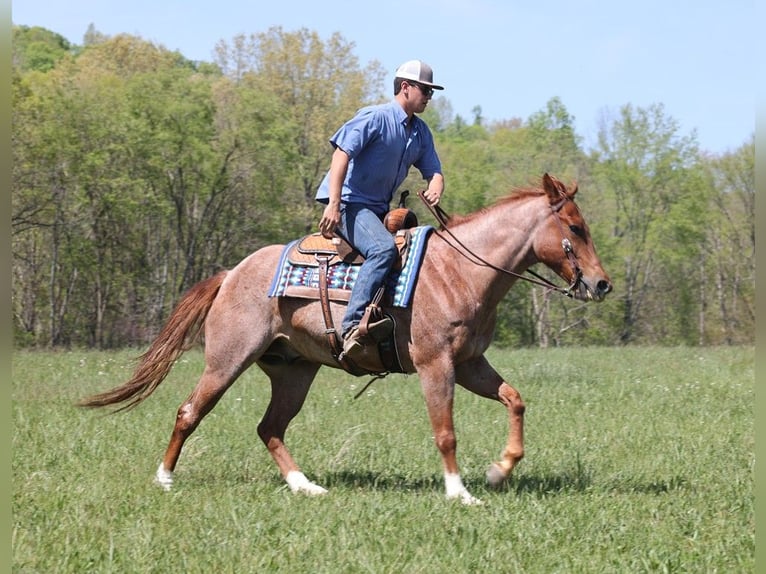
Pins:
x: 417, y: 74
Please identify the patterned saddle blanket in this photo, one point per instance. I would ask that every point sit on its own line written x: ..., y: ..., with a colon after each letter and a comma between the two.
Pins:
x: 297, y: 273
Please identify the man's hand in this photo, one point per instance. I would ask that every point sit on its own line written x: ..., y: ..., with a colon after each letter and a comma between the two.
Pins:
x: 432, y: 196
x: 330, y: 220
x: 331, y: 216
x: 435, y: 189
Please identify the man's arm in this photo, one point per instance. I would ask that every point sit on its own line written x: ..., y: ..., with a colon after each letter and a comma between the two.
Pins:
x: 338, y: 169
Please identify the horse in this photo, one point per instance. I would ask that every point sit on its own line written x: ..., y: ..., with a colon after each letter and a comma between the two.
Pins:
x: 469, y: 264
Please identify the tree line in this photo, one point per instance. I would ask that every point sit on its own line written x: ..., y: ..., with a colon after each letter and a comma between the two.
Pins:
x: 137, y: 172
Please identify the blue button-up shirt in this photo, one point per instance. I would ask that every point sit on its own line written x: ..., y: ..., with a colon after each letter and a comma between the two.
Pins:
x: 382, y: 148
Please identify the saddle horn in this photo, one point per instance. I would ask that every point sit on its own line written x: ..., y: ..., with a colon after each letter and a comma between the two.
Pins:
x: 401, y: 217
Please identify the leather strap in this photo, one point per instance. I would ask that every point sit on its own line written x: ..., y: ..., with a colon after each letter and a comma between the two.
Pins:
x: 324, y: 299
x: 372, y: 312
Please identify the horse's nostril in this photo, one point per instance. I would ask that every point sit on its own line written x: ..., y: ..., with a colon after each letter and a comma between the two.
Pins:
x: 604, y: 286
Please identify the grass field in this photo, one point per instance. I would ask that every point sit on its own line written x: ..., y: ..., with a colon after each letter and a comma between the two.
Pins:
x: 637, y: 460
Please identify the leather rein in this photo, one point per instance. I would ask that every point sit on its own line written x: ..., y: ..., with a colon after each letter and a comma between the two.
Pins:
x: 442, y: 217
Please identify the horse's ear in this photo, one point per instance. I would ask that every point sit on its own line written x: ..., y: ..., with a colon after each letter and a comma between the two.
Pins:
x: 553, y: 187
x: 574, y: 189
x: 549, y: 185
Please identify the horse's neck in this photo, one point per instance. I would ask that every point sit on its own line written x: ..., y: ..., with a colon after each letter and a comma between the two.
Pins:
x: 501, y: 236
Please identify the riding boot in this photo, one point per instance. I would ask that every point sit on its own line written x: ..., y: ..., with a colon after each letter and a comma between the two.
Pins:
x: 354, y: 341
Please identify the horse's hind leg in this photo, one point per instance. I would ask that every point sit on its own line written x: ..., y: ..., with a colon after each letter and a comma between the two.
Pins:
x: 513, y: 452
x: 479, y: 377
x: 210, y: 388
x: 290, y: 383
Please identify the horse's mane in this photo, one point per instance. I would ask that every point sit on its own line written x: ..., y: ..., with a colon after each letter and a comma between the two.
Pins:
x: 516, y: 194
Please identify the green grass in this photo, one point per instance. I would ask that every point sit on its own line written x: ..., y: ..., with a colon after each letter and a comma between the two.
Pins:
x: 637, y: 460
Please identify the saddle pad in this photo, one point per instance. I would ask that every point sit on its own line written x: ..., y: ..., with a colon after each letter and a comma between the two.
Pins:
x: 301, y: 280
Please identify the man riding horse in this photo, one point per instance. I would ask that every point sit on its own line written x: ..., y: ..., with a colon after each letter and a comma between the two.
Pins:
x: 374, y: 151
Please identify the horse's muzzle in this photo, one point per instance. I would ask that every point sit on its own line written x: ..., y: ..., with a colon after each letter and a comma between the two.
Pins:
x: 584, y: 291
x: 603, y: 286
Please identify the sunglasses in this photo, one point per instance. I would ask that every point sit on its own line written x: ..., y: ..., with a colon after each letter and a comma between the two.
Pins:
x: 427, y: 90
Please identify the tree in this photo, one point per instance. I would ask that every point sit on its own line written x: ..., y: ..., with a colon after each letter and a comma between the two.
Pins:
x: 646, y: 173
x: 38, y: 49
x: 91, y: 157
x: 730, y: 250
x: 317, y: 84
x: 93, y: 36
x: 144, y: 172
x: 137, y: 172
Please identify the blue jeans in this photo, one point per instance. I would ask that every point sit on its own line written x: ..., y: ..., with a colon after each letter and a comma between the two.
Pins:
x: 364, y: 230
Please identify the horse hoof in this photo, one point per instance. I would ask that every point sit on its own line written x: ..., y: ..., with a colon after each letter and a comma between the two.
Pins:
x: 313, y: 490
x: 469, y: 500
x: 164, y: 478
x: 495, y: 476
x: 298, y: 482
x: 465, y: 498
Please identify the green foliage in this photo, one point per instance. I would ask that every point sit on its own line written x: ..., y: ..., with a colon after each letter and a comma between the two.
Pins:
x: 729, y: 246
x: 137, y: 172
x: 315, y: 86
x: 646, y: 173
x: 35, y: 48
x: 637, y: 459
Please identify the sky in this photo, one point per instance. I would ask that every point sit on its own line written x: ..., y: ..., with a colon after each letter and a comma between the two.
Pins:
x: 509, y: 57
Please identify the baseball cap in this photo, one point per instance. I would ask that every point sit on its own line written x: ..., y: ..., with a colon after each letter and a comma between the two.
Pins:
x: 418, y: 71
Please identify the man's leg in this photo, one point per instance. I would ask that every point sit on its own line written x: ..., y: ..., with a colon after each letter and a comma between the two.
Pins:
x: 366, y: 232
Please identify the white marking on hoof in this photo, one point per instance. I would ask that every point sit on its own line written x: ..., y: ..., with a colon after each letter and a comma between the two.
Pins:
x: 455, y: 489
x: 495, y: 475
x: 298, y: 482
x: 164, y: 478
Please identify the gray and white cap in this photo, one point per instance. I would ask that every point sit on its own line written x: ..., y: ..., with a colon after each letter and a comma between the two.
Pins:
x: 418, y: 71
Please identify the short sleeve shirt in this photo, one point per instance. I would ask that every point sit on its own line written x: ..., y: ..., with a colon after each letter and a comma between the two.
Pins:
x: 382, y: 148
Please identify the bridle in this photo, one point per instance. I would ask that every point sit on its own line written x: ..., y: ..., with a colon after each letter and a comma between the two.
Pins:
x: 442, y: 217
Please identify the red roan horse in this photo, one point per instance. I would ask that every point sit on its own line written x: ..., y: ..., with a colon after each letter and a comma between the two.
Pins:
x: 468, y: 267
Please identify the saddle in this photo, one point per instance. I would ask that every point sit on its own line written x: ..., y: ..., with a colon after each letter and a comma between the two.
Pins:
x: 316, y: 250
x: 310, y: 250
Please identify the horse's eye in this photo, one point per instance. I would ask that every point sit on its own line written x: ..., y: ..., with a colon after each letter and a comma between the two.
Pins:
x: 577, y: 230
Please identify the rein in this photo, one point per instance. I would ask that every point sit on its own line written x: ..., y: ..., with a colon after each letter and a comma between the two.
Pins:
x: 442, y: 217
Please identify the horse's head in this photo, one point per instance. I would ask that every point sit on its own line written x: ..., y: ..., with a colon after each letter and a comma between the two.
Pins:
x: 566, y: 246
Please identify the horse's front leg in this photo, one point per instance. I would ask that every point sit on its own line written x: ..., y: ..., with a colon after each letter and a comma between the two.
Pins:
x: 438, y: 384
x: 478, y: 376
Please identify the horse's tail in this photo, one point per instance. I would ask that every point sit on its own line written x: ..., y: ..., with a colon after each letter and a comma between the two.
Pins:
x: 179, y: 333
